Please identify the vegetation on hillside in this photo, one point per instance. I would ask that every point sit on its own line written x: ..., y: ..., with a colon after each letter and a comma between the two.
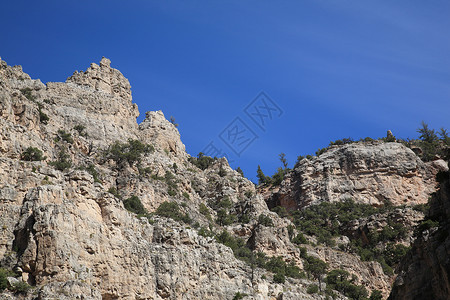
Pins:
x: 129, y: 153
x: 326, y: 221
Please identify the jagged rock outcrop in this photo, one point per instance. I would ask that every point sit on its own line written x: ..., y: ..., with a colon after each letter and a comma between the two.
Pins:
x: 157, y: 130
x: 374, y: 173
x: 66, y: 230
x: 67, y: 233
x: 424, y: 273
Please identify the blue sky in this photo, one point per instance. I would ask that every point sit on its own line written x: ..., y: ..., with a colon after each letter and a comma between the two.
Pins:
x: 335, y: 68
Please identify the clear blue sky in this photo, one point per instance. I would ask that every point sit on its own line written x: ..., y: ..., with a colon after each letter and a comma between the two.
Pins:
x: 335, y: 68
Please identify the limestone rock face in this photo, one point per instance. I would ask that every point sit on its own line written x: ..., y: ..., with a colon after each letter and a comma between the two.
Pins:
x: 67, y: 233
x: 103, y: 78
x: 375, y: 173
x: 156, y: 129
x: 425, y: 271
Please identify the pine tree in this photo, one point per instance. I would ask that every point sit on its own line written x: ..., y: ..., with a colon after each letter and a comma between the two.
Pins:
x: 283, y: 160
x: 262, y: 179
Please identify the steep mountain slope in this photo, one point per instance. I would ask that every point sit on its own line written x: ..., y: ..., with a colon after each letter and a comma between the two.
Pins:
x: 425, y: 271
x: 72, y: 156
x: 96, y: 206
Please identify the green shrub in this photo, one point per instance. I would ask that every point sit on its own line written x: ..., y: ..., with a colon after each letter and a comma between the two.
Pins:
x: 4, y: 274
x: 303, y: 252
x: 115, y: 192
x: 244, y: 219
x: 281, y: 211
x: 239, y: 296
x: 239, y: 170
x: 278, y: 177
x: 222, y: 172
x: 64, y: 136
x: 32, y: 154
x: 279, y: 278
x: 62, y: 162
x: 426, y: 225
x: 80, y: 129
x: 290, y: 230
x: 265, y: 220
x: 225, y: 203
x: 172, y: 187
x: 424, y: 208
x: 134, y: 205
x: 394, y: 253
x: 130, y: 152
x: 291, y: 270
x: 300, y: 239
x: 43, y: 118
x: 201, y: 161
x: 93, y: 171
x: 20, y: 287
x: 203, y: 209
x: 224, y: 218
x: 316, y: 267
x: 172, y: 210
x: 205, y: 232
x: 186, y: 195
x: 144, y: 171
x: 376, y: 295
x: 312, y: 289
x: 321, y: 151
x: 339, y: 281
x: 27, y: 92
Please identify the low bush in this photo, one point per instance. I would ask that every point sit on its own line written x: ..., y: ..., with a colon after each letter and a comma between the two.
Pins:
x: 426, y: 225
x: 172, y: 188
x: 4, y: 274
x: 81, y: 130
x: 115, y: 192
x: 239, y: 296
x: 224, y: 218
x: 172, y: 210
x: 312, y: 289
x: 339, y: 281
x: 32, y: 154
x: 265, y: 220
x: 279, y: 278
x: 130, y: 152
x: 27, y: 92
x: 43, y: 118
x: 201, y: 161
x: 299, y: 239
x: 62, y: 135
x: 203, y: 209
x: 20, y: 287
x: 134, y: 205
x: 63, y: 161
x: 93, y: 171
x: 376, y: 295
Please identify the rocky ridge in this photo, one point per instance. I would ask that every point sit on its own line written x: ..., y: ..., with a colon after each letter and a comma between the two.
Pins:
x: 374, y: 173
x: 67, y: 232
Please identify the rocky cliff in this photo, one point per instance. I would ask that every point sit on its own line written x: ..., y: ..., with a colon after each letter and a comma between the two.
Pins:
x: 96, y: 206
x: 65, y: 229
x: 376, y: 173
x: 424, y: 272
